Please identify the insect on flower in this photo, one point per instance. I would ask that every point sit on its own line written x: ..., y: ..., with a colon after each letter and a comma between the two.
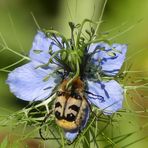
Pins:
x: 80, y: 71
x: 71, y: 106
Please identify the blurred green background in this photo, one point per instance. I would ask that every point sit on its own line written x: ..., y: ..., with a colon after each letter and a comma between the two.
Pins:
x: 124, y: 21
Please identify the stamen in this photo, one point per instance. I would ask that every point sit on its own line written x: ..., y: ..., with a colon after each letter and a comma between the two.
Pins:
x: 72, y: 27
x: 95, y: 96
x: 57, y: 34
x: 57, y: 41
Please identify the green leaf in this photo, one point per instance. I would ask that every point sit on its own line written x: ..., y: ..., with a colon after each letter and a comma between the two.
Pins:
x: 15, y: 145
x: 4, y: 143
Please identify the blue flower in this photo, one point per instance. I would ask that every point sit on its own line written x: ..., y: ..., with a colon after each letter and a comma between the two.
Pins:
x: 32, y: 82
x: 110, y: 95
x: 107, y: 95
x: 108, y: 58
x: 40, y: 48
x: 29, y: 82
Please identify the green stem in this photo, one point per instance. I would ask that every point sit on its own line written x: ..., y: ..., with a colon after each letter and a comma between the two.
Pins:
x: 9, y: 66
x: 135, y: 87
x: 3, y: 70
x: 75, y: 76
x: 80, y: 31
x: 100, y: 18
x: 44, y: 103
x: 25, y: 57
x: 96, y: 41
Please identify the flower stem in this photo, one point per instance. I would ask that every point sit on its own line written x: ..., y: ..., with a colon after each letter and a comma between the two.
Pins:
x: 75, y: 76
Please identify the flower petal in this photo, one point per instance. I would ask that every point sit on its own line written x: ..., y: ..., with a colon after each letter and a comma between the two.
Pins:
x: 110, y: 58
x: 40, y: 48
x: 108, y: 96
x: 28, y: 83
x: 72, y: 135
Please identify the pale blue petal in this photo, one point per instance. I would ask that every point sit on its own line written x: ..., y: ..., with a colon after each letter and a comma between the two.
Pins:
x: 40, y: 48
x: 108, y: 96
x: 28, y: 82
x: 109, y: 58
x: 72, y: 135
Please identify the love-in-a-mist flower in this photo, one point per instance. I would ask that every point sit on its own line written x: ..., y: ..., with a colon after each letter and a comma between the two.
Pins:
x: 52, y: 57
